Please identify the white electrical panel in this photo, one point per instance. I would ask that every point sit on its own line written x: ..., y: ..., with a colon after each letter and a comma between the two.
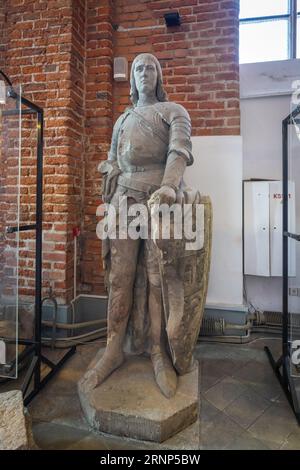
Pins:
x: 263, y: 228
x: 256, y: 229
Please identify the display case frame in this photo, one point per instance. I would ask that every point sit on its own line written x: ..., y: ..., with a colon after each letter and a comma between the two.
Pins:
x: 33, y: 381
x: 282, y: 367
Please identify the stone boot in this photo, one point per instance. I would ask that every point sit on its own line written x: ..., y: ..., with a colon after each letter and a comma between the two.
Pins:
x: 164, y: 372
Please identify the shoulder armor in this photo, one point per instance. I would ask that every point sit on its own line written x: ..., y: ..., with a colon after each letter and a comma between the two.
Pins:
x: 170, y: 110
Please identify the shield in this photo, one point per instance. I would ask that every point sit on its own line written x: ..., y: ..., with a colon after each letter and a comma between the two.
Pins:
x: 184, y: 277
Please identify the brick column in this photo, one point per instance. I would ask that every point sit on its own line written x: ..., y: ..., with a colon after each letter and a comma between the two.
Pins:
x: 98, y: 128
x: 45, y: 52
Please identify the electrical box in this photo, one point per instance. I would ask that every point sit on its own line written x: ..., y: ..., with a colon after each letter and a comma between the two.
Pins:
x: 263, y: 228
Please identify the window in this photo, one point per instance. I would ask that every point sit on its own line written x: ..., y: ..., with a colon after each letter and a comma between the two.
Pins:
x: 269, y: 30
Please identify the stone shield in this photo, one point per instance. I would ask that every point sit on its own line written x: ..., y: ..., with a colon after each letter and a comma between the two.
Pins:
x: 184, y: 277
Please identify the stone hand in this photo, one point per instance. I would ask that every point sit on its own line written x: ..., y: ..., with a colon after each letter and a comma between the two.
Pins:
x: 163, y: 195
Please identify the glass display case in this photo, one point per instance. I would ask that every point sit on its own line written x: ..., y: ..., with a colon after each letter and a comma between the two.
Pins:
x: 287, y: 367
x: 292, y: 283
x: 10, y: 172
x: 21, y: 219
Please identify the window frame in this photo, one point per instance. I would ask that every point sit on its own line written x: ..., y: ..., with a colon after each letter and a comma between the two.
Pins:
x: 291, y: 16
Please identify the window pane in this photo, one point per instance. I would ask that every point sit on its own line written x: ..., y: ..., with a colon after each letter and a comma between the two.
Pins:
x: 253, y: 8
x: 263, y: 41
x: 298, y: 6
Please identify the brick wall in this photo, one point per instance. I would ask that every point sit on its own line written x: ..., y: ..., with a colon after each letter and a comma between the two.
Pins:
x: 199, y: 58
x: 62, y: 53
x: 45, y: 52
x: 98, y: 128
x: 2, y: 32
x: 9, y: 133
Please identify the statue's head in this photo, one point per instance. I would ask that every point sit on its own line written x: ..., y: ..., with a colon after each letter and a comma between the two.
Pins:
x: 146, y: 76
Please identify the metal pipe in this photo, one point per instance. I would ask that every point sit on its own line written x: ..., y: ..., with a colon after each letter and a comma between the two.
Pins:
x: 292, y: 29
x: 231, y: 326
x: 86, y: 337
x: 74, y: 326
x: 226, y: 339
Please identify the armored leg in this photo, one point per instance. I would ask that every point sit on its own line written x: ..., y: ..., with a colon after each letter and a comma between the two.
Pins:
x: 165, y: 374
x: 121, y: 279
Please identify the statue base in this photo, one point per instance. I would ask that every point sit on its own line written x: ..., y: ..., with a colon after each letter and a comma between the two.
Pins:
x: 130, y: 404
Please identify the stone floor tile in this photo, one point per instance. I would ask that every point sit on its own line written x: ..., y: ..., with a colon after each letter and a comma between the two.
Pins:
x: 247, y: 408
x: 270, y: 391
x: 61, y: 409
x: 211, y: 374
x: 275, y: 424
x: 292, y: 442
x: 212, y: 350
x: 274, y: 344
x: 56, y: 436
x: 246, y: 442
x: 219, y: 432
x: 256, y: 371
x: 207, y: 412
x: 224, y: 392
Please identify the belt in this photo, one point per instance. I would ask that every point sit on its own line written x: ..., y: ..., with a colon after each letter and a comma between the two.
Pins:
x: 136, y: 168
x: 137, y: 185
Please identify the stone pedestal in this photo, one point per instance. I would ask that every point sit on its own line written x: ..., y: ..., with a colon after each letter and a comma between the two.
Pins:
x: 130, y: 404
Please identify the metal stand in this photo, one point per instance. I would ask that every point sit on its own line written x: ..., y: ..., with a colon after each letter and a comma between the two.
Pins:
x: 283, y: 362
x: 35, y: 346
x: 284, y: 379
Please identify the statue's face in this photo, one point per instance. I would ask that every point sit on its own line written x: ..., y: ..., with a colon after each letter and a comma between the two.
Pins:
x: 145, y: 75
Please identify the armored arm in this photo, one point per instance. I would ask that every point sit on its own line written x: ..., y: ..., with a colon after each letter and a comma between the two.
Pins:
x: 109, y: 169
x: 178, y: 157
x: 180, y: 147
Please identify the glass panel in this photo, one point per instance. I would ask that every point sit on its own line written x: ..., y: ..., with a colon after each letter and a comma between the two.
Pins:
x: 256, y: 8
x: 10, y: 156
x: 27, y: 251
x: 294, y: 259
x: 263, y: 41
x: 298, y: 37
x: 298, y: 6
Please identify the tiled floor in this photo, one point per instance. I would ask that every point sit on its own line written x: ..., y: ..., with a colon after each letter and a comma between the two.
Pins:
x: 242, y: 405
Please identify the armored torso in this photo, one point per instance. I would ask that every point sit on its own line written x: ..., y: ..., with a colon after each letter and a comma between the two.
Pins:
x: 143, y: 140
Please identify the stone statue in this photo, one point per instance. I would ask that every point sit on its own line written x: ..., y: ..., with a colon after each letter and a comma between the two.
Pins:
x: 155, y: 301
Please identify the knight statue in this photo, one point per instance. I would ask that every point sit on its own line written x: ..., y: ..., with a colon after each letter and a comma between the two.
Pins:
x: 155, y: 288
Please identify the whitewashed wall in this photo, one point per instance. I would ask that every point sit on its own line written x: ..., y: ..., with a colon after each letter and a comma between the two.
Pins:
x: 217, y: 172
